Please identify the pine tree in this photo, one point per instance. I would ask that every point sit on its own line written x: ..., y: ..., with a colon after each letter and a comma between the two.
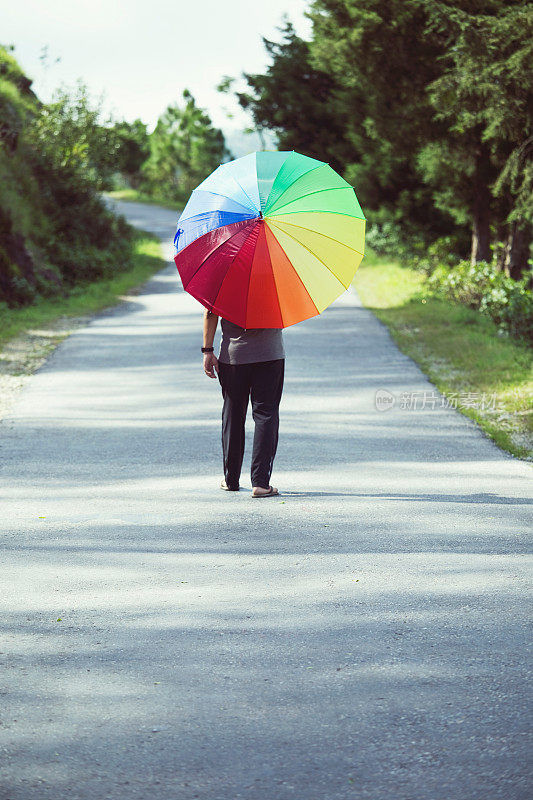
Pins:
x: 484, y: 96
x: 184, y: 149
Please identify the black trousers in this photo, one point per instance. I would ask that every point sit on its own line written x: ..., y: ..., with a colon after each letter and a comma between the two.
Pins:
x: 263, y: 382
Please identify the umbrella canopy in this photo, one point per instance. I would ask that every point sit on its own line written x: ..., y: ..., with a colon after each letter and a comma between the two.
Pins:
x: 270, y: 239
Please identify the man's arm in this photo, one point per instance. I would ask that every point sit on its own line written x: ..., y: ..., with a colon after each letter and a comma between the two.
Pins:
x: 210, y: 359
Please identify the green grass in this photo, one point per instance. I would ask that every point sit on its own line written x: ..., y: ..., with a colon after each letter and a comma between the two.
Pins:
x: 132, y: 195
x: 459, y: 349
x: 88, y: 298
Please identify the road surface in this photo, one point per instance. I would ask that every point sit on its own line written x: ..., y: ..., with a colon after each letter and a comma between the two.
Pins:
x: 361, y: 637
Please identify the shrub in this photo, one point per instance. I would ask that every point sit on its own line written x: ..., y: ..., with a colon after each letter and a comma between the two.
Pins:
x: 383, y: 238
x: 395, y: 239
x: 55, y: 230
x: 509, y: 303
x: 440, y: 253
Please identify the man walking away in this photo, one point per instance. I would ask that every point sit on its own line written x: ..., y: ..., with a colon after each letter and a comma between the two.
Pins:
x: 250, y: 365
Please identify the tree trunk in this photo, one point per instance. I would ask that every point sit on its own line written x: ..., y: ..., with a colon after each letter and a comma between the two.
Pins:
x: 519, y: 249
x: 481, y: 210
x: 503, y: 243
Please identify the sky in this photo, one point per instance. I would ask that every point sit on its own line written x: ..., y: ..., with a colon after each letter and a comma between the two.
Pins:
x: 141, y: 54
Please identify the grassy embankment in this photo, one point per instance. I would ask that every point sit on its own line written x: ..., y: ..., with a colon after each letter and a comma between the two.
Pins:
x: 47, y: 320
x: 459, y: 349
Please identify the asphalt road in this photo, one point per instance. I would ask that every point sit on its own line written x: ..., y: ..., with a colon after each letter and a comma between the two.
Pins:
x: 361, y: 637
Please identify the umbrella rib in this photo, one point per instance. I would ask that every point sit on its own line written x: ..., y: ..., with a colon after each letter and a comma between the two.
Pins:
x: 229, y: 174
x: 304, y: 174
x: 214, y: 251
x: 230, y: 266
x: 298, y: 278
x: 198, y: 219
x: 273, y: 180
x: 273, y: 277
x: 317, y: 191
x: 215, y: 194
x: 318, y: 233
x: 310, y: 251
x: 249, y: 282
x: 254, y: 207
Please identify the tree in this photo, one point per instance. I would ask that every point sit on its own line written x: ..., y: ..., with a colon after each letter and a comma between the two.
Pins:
x: 424, y: 107
x: 184, y: 149
x: 132, y: 149
x: 55, y: 231
x: 70, y: 128
x: 296, y: 101
x: 383, y: 58
x: 484, y: 96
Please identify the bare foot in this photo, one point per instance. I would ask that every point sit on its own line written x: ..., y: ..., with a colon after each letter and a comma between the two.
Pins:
x: 258, y: 491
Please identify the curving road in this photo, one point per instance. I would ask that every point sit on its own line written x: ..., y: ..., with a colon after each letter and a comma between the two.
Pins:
x: 361, y: 637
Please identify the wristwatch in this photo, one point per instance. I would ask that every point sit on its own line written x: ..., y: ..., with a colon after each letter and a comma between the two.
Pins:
x: 208, y: 349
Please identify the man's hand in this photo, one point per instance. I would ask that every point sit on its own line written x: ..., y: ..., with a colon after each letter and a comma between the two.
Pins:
x: 210, y: 365
x: 210, y: 359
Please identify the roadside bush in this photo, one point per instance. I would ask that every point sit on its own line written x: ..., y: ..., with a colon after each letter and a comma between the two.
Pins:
x: 55, y: 229
x: 509, y: 303
x: 440, y: 253
x: 384, y: 239
x: 397, y: 240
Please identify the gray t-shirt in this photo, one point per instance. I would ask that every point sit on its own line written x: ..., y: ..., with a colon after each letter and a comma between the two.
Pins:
x: 249, y: 345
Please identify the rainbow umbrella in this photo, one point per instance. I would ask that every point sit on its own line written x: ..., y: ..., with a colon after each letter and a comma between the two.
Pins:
x: 270, y: 239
